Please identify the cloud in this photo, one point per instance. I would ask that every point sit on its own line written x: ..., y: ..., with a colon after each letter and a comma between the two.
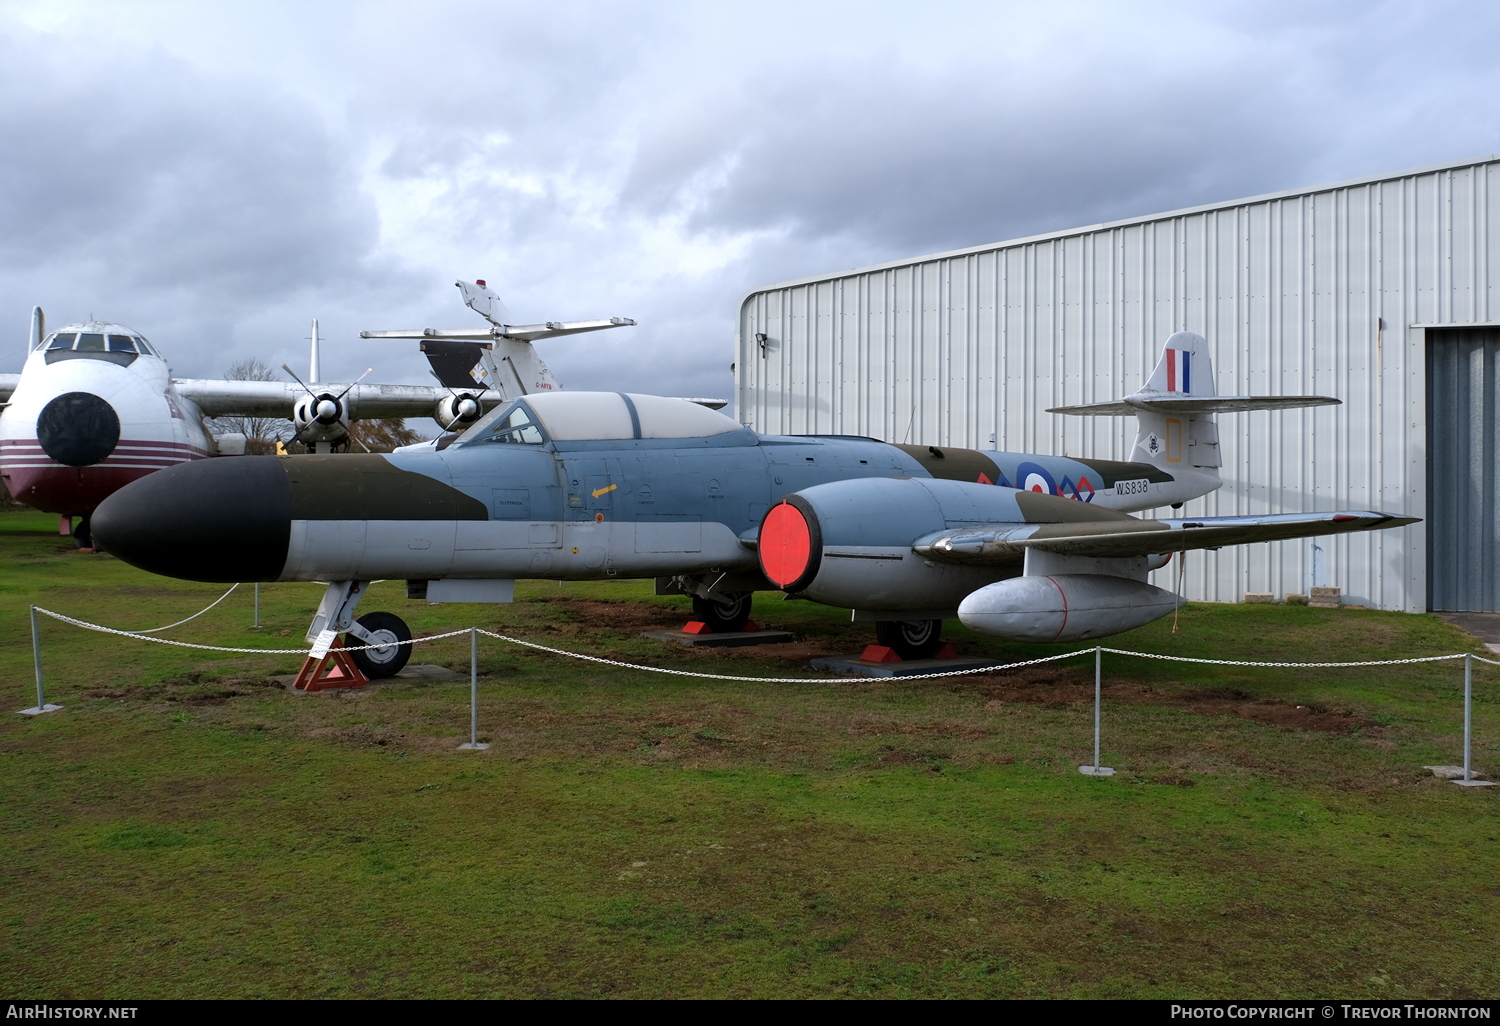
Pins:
x: 216, y: 178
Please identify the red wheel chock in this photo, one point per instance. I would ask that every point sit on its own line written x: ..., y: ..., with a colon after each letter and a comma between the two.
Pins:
x: 697, y: 627
x: 317, y: 675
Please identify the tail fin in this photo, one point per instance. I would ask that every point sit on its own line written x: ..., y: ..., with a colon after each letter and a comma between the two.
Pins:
x: 38, y: 329
x: 484, y: 301
x: 1175, y: 438
x: 1174, y: 411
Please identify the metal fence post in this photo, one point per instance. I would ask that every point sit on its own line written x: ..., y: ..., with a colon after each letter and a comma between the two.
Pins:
x: 1097, y: 770
x: 257, y: 605
x: 1468, y: 779
x: 36, y: 654
x: 473, y: 743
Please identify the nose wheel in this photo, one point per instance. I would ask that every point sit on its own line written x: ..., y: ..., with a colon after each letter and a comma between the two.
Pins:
x: 387, y: 631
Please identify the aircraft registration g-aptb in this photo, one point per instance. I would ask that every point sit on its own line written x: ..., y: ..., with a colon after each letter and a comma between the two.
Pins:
x: 604, y: 485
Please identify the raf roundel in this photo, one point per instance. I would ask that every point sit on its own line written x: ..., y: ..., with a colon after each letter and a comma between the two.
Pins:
x: 789, y: 545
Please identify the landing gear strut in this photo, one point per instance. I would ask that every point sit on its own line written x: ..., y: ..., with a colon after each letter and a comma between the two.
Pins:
x: 910, y: 639
x: 386, y: 631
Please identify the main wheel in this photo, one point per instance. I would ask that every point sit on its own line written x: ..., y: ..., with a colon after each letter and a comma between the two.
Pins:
x: 910, y: 639
x: 725, y: 613
x: 388, y: 631
x: 82, y: 536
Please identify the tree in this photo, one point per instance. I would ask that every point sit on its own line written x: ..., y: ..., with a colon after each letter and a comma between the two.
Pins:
x: 381, y: 435
x: 261, y: 433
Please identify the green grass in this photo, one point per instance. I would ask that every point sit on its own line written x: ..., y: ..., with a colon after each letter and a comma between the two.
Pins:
x: 187, y: 829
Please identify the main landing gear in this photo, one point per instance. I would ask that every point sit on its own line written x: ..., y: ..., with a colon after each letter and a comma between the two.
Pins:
x: 725, y: 612
x: 910, y: 639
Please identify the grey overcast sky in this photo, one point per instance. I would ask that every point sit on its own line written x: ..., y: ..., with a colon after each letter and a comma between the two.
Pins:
x: 216, y: 175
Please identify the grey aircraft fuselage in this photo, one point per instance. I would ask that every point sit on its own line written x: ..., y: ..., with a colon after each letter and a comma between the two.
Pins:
x: 553, y: 509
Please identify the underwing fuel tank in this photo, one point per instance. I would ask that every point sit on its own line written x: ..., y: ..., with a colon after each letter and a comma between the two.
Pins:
x: 1064, y: 607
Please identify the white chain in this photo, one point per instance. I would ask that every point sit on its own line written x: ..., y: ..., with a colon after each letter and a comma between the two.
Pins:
x: 179, y: 623
x: 1249, y: 662
x: 752, y: 680
x: 774, y: 680
x: 220, y: 648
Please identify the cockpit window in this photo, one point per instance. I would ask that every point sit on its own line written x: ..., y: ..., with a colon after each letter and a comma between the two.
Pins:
x: 516, y: 428
x: 63, y: 341
x: 121, y: 344
x: 89, y: 342
x: 142, y: 346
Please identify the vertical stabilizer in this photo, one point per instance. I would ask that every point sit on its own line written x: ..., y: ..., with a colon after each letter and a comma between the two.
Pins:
x: 314, y: 363
x: 518, y: 362
x: 38, y: 328
x: 484, y: 301
x: 1176, y: 441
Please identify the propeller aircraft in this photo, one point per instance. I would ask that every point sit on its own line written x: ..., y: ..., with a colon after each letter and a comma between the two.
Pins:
x: 96, y: 407
x: 611, y: 485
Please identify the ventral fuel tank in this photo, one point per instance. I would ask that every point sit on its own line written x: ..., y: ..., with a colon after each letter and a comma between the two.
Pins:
x: 1063, y: 607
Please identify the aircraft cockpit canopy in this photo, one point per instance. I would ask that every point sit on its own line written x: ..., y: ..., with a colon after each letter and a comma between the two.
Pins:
x: 595, y: 416
x: 97, y: 338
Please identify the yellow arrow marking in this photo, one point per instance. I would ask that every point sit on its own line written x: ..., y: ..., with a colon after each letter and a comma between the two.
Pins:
x: 600, y: 491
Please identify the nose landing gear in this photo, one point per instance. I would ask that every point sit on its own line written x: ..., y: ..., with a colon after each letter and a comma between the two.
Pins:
x: 386, y: 631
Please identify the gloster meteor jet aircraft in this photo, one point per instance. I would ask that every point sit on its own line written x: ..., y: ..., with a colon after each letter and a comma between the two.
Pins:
x: 603, y: 485
x: 95, y: 405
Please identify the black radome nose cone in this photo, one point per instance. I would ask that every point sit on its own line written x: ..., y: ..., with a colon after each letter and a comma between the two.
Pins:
x: 224, y: 520
x: 78, y: 429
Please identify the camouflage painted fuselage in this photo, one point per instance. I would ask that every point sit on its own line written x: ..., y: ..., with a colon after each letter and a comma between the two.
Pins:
x: 574, y: 510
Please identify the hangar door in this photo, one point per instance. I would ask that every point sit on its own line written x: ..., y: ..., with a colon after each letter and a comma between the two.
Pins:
x: 1463, y: 470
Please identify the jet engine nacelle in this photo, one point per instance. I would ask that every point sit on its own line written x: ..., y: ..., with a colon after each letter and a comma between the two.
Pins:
x: 322, y: 417
x: 1064, y: 607
x: 456, y: 412
x: 849, y: 543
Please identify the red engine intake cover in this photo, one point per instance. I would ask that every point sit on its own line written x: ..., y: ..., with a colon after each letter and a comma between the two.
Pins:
x: 790, y: 545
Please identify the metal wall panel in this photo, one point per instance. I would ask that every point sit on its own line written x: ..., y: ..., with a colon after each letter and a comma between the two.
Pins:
x: 1463, y: 469
x: 1324, y: 291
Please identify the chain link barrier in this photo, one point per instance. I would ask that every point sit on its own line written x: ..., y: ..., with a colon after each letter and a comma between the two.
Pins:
x: 994, y: 668
x: 179, y: 623
x: 221, y: 648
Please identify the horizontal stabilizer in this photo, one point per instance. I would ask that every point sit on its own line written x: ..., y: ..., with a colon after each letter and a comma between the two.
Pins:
x: 712, y: 404
x: 1131, y: 405
x: 994, y: 546
x: 520, y: 333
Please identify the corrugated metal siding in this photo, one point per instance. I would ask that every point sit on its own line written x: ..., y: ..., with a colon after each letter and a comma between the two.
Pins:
x: 1310, y: 292
x: 1463, y: 390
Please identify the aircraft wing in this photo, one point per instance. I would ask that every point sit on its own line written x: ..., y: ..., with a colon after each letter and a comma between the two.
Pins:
x: 8, y: 383
x: 519, y: 332
x: 1111, y: 539
x: 218, y: 397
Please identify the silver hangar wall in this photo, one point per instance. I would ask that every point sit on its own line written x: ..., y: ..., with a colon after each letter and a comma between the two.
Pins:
x: 1380, y: 291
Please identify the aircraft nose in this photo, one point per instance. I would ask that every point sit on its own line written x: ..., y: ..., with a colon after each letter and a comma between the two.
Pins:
x: 224, y: 520
x: 78, y: 429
